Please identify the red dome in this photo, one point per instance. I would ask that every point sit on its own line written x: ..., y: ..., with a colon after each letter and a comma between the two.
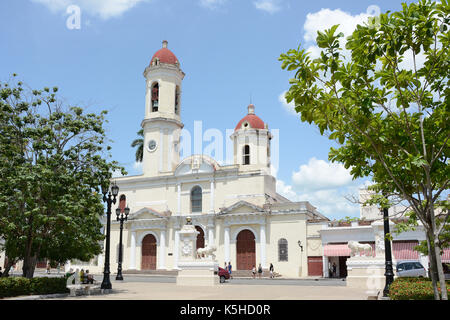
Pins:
x: 164, y: 55
x: 253, y: 120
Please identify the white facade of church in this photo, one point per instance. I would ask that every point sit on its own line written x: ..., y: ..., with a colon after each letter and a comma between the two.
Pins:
x: 235, y: 207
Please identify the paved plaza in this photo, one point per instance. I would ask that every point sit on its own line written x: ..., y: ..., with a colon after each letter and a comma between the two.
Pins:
x: 165, y: 288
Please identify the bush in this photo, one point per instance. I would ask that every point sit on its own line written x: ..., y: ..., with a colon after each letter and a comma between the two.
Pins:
x: 48, y: 285
x: 413, y: 289
x: 14, y: 286
x: 19, y: 286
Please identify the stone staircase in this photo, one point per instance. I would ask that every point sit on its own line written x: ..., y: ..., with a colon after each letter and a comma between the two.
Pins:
x: 248, y: 274
x: 152, y: 272
x: 174, y: 273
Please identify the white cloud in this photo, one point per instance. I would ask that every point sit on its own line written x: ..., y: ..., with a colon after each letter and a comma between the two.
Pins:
x: 319, y: 175
x: 326, y: 18
x: 287, y: 191
x: 289, y: 107
x: 105, y: 9
x: 270, y: 6
x: 332, y: 203
x: 327, y: 186
x: 211, y: 4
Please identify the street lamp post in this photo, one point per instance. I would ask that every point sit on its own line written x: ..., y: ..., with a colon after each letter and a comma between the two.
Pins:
x: 389, y: 272
x: 121, y: 218
x: 110, y: 198
x: 301, y: 259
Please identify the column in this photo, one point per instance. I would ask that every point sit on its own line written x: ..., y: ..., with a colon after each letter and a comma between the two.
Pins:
x: 325, y: 271
x: 162, y: 250
x: 227, y: 243
x: 179, y: 198
x: 176, y: 248
x: 262, y: 244
x: 211, y: 235
x: 133, y: 251
x: 211, y: 203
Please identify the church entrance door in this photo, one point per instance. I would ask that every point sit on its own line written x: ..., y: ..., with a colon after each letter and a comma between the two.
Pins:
x: 148, y: 253
x: 245, y: 250
x: 200, y: 237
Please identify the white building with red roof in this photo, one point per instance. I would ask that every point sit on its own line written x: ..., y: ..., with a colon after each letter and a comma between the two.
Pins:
x: 234, y: 207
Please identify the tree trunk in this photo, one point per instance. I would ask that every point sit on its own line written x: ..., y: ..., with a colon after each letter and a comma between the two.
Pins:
x: 437, y: 256
x: 440, y: 270
x: 29, y: 264
x: 433, y: 266
x: 9, y: 264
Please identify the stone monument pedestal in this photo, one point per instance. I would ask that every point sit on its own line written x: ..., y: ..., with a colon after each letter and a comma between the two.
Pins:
x: 366, y: 273
x: 194, y: 271
x: 198, y: 273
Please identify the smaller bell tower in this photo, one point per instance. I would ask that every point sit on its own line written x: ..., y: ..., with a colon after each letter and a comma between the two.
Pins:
x: 162, y: 122
x: 251, y: 139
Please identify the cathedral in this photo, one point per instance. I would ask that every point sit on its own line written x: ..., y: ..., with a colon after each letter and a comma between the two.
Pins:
x: 235, y: 207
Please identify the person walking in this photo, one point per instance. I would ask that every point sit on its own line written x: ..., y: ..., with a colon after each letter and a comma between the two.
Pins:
x: 229, y: 269
x: 260, y: 270
x: 254, y: 272
x: 48, y: 268
x: 334, y: 269
x: 271, y: 271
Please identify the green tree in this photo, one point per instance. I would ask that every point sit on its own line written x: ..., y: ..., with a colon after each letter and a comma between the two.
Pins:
x: 390, y: 121
x: 52, y: 164
x: 139, y: 143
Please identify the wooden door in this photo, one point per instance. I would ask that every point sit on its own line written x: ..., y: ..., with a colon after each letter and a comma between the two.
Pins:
x: 200, y: 237
x: 245, y: 250
x: 148, y: 253
x: 315, y: 266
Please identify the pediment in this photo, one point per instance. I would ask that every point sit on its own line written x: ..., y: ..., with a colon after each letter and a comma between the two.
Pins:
x: 241, y: 207
x: 148, y: 213
x: 196, y: 164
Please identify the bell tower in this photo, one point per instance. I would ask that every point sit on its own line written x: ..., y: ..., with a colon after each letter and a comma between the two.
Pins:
x: 162, y: 122
x: 251, y: 140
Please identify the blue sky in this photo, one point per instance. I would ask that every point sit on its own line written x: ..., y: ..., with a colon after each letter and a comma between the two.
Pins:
x: 228, y: 49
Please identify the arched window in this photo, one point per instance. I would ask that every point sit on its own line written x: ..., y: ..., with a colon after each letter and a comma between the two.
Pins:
x: 196, y: 199
x: 282, y: 250
x: 246, y: 155
x: 155, y: 97
x: 177, y: 100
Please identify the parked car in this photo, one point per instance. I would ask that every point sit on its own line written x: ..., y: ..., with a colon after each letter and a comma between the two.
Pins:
x: 410, y: 269
x: 223, y: 274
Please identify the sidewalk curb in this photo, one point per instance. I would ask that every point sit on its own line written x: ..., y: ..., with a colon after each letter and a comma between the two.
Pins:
x: 39, y: 297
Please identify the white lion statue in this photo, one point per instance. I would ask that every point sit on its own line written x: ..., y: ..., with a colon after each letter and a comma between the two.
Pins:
x: 207, y: 252
x: 359, y: 248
